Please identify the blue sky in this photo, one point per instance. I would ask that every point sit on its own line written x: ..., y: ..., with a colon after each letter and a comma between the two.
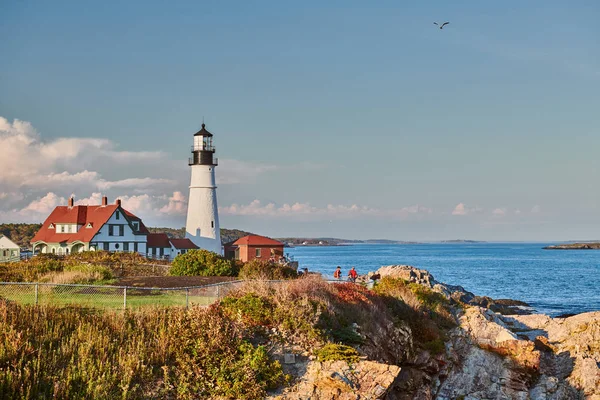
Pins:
x: 486, y: 129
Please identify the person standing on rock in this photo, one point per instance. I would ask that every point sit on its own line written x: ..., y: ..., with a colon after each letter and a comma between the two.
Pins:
x: 338, y: 273
x: 352, y: 275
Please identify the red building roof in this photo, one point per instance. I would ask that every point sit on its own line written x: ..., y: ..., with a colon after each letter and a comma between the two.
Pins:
x: 256, y: 240
x: 183, y: 244
x: 94, y: 216
x: 158, y: 240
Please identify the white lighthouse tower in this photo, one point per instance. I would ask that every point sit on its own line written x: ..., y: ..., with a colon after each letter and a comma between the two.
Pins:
x: 202, y: 226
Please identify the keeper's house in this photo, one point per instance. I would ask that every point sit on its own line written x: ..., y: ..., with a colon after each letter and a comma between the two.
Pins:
x: 107, y: 227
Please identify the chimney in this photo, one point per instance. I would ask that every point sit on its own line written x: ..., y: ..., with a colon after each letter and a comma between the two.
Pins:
x: 71, y: 201
x: 104, y: 200
x: 118, y: 202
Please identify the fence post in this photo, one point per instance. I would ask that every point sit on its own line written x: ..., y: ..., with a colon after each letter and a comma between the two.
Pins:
x: 187, y: 298
x: 36, y: 294
x: 125, y: 298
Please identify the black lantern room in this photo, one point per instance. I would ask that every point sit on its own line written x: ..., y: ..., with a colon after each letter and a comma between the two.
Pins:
x: 203, y: 149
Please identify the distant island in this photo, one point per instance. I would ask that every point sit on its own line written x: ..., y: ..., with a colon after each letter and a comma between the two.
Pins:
x: 294, y: 241
x: 575, y: 246
x: 462, y: 241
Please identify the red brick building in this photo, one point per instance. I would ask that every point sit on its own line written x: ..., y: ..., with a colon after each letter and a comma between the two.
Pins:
x: 253, y: 247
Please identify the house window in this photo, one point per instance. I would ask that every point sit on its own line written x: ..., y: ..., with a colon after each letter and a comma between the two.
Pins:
x: 62, y: 229
x: 257, y: 253
x: 51, y: 226
x: 135, y: 247
x: 105, y: 246
x: 117, y: 246
x: 117, y: 216
x: 89, y: 225
x: 110, y: 230
x: 162, y: 251
x: 121, y: 230
x: 126, y: 246
x: 135, y: 225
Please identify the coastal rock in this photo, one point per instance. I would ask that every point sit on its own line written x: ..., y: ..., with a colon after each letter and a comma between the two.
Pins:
x: 454, y: 293
x: 337, y: 380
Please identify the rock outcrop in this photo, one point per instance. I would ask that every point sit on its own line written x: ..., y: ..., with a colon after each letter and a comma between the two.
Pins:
x: 488, y: 355
x: 453, y: 292
x: 340, y: 380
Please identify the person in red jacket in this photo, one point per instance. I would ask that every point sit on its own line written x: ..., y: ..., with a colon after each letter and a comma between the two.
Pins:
x: 352, y: 275
x: 337, y: 274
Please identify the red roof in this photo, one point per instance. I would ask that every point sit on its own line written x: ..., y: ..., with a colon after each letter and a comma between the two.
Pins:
x: 97, y: 216
x: 183, y: 244
x: 256, y: 240
x: 158, y: 240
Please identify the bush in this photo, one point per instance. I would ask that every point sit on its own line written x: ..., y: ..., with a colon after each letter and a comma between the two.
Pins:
x: 201, y: 263
x: 337, y: 352
x: 253, y: 309
x: 160, y: 353
x: 259, y: 269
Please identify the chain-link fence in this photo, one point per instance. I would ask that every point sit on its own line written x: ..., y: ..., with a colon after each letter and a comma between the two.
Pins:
x: 112, y: 297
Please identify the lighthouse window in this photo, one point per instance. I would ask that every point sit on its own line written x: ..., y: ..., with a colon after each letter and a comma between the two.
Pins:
x: 212, y: 224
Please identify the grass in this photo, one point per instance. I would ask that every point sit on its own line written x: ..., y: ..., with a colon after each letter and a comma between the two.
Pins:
x: 100, y: 298
x: 159, y: 353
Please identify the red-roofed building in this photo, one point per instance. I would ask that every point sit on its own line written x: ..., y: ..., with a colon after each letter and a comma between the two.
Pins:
x: 164, y: 247
x: 253, y: 247
x: 80, y: 228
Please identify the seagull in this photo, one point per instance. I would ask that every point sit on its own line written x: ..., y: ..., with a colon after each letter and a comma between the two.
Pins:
x: 442, y: 26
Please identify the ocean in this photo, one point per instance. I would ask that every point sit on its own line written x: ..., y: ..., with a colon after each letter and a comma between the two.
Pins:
x: 553, y: 282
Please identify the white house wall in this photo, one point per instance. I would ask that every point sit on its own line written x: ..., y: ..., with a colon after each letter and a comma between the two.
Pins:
x: 128, y: 236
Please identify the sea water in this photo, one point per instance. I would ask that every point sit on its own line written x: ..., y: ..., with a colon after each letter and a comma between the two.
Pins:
x: 553, y: 282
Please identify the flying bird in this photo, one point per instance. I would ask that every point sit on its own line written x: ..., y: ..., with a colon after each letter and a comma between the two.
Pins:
x: 441, y: 26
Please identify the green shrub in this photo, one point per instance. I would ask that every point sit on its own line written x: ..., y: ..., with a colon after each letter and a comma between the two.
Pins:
x: 259, y: 269
x: 201, y: 263
x: 337, y: 352
x: 253, y: 309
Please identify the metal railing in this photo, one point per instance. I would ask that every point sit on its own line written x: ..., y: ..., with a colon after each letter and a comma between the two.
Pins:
x: 112, y: 297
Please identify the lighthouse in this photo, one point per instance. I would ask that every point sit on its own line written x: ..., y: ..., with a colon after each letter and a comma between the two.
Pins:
x: 202, y: 225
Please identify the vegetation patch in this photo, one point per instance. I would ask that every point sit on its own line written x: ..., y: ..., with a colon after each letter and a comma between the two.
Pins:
x: 252, y: 309
x: 72, y: 353
x: 202, y: 263
x: 337, y: 352
x: 259, y: 269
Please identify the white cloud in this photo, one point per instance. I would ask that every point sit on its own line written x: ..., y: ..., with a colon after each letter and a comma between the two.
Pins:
x: 44, y: 205
x: 35, y: 163
x: 459, y: 209
x: 177, y: 205
x: 462, y: 209
x: 256, y: 208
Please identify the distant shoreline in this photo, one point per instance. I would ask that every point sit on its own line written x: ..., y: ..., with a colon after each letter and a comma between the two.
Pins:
x: 574, y: 246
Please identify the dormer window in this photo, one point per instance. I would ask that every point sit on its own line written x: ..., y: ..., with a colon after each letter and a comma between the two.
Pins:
x: 89, y: 225
x: 135, y: 225
x: 51, y: 226
x: 62, y: 229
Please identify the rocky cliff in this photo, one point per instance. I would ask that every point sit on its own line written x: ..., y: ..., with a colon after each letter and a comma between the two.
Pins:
x: 491, y: 350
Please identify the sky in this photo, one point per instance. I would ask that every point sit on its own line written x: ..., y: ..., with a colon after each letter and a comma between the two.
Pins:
x: 345, y: 119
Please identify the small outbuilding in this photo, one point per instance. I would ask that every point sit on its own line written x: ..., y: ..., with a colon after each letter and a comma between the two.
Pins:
x: 254, y: 247
x: 9, y: 250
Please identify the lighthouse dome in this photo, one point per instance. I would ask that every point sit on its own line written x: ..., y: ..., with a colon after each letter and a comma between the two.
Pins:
x: 203, y: 132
